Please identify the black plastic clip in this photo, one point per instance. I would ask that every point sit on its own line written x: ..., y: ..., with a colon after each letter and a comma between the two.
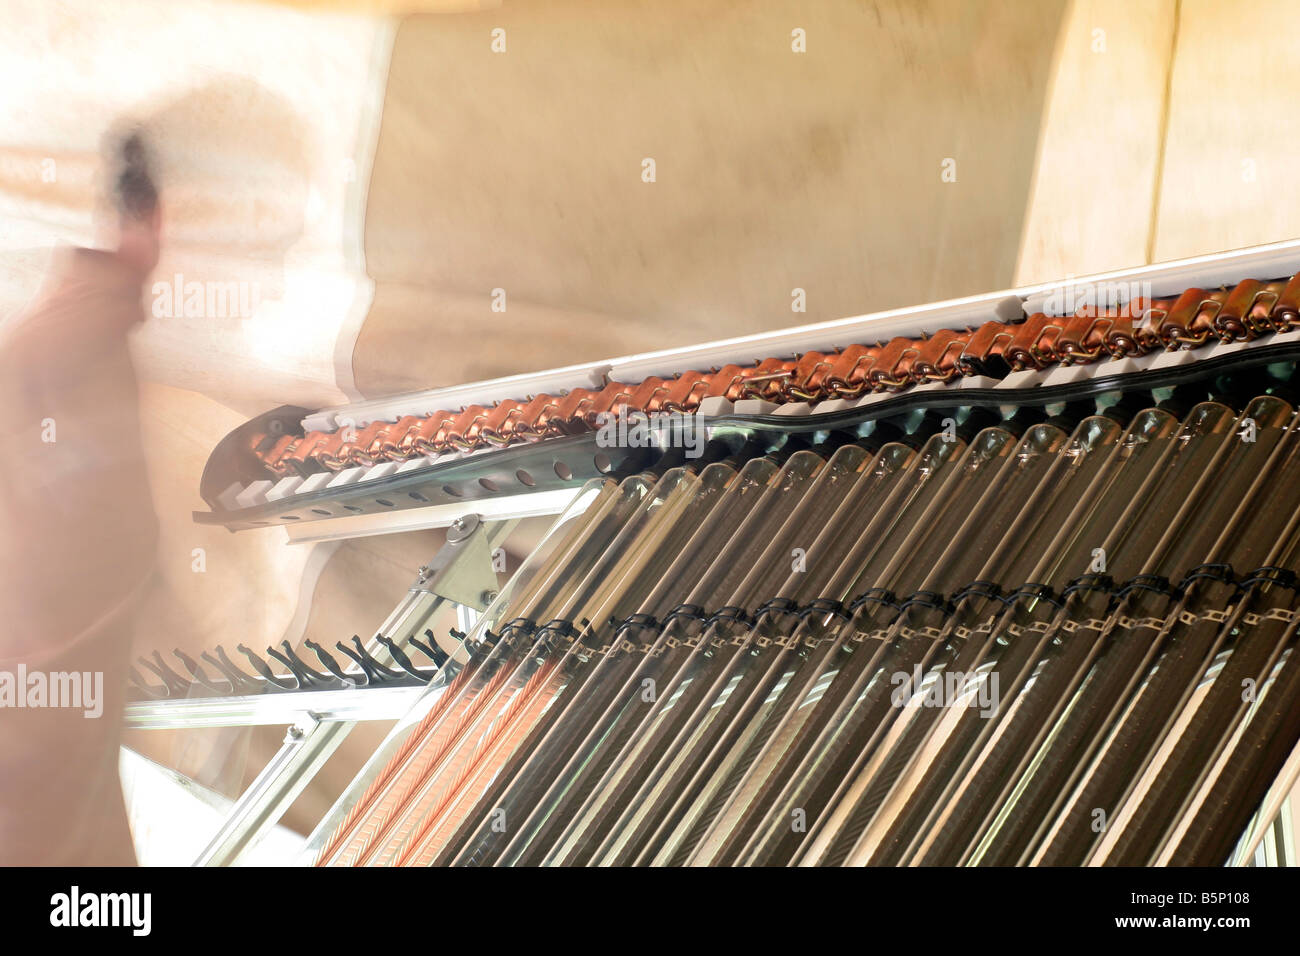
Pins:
x: 777, y: 605
x: 731, y: 614
x: 404, y: 662
x: 1222, y: 573
x: 692, y: 612
x: 177, y: 686
x: 645, y: 621
x: 521, y: 625
x: 376, y: 673
x: 821, y: 606
x: 1154, y: 583
x: 557, y: 628
x: 307, y: 678
x: 931, y: 599
x: 1033, y: 591
x: 432, y: 650
x: 1271, y: 574
x: 881, y: 596
x: 221, y: 689
x: 330, y: 664
x: 245, y: 683
x: 988, y: 590
x: 259, y: 665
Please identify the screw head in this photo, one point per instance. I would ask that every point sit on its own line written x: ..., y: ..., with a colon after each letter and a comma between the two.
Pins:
x: 462, y: 528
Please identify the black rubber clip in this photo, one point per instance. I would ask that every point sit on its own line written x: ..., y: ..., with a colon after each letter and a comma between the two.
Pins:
x: 931, y: 599
x: 1154, y: 583
x: 1211, y: 572
x: 693, y: 612
x: 559, y: 627
x: 330, y: 664
x: 521, y: 625
x: 177, y: 686
x: 777, y: 605
x: 307, y: 678
x: 201, y: 677
x: 731, y: 614
x: 263, y: 668
x: 376, y: 673
x: 244, y: 682
x: 1086, y: 582
x: 646, y: 621
x: 433, y: 650
x: 1271, y: 574
x: 979, y: 589
x: 820, y: 606
x: 882, y: 596
x: 152, y: 691
x: 404, y: 662
x: 1033, y: 591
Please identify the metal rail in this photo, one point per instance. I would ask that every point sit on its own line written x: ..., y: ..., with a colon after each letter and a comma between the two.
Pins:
x: 319, y: 721
x: 325, y: 706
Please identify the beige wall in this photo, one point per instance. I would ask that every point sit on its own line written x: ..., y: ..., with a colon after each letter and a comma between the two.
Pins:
x: 1176, y: 139
x: 1234, y: 129
x: 775, y: 170
x: 1099, y: 153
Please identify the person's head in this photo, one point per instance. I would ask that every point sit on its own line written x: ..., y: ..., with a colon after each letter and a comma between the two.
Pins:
x: 214, y: 179
x: 133, y: 191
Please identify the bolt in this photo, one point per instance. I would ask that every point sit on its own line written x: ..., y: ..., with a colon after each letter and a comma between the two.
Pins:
x: 488, y: 596
x: 423, y: 571
x: 461, y: 528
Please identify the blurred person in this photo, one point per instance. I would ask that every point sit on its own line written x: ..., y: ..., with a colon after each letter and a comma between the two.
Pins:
x: 78, y: 535
x: 236, y: 167
x: 212, y: 183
